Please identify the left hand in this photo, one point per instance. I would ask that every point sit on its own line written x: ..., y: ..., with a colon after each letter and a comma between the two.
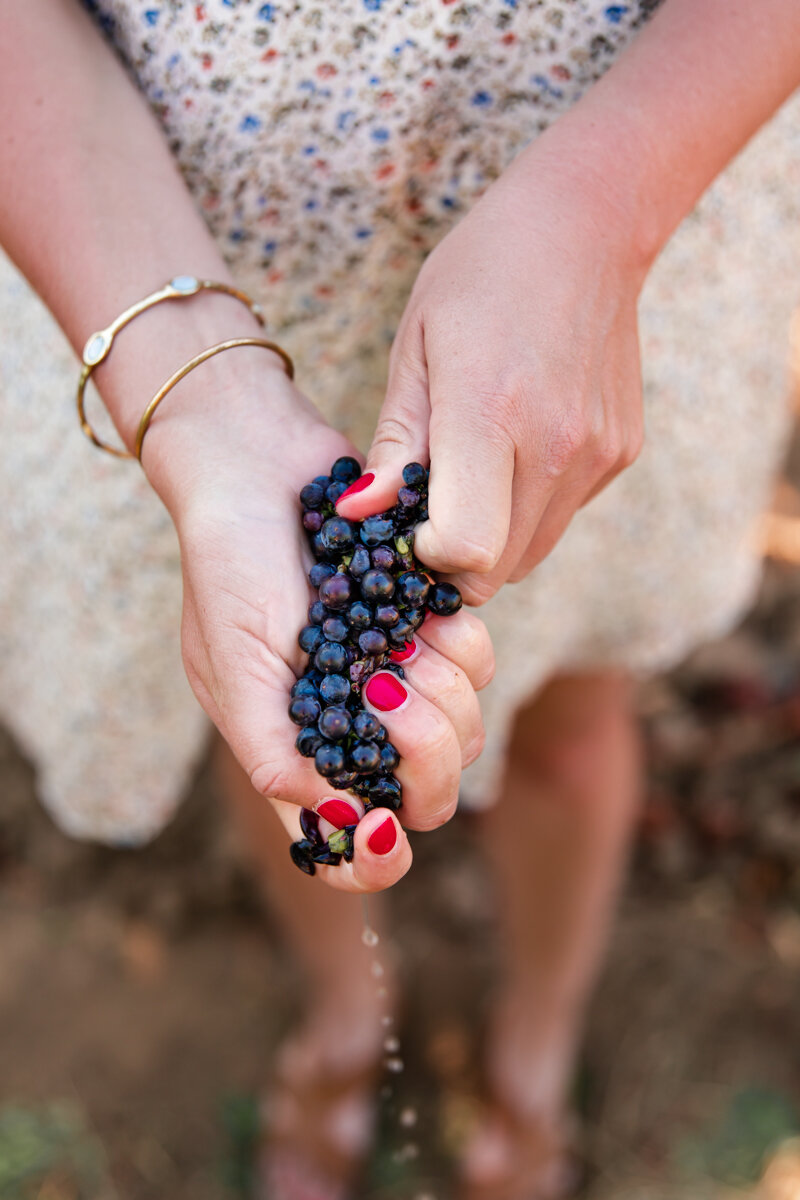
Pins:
x: 515, y: 371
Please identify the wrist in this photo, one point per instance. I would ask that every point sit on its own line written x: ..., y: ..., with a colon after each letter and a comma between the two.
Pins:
x: 603, y: 168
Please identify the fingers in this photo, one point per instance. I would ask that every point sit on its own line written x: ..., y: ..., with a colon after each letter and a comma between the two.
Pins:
x: 381, y: 856
x: 471, y: 481
x: 440, y: 681
x: 430, y: 766
x: 464, y: 639
x: 401, y: 436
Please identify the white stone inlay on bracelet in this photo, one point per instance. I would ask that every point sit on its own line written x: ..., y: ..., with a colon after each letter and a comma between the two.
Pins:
x: 96, y: 348
x: 185, y: 284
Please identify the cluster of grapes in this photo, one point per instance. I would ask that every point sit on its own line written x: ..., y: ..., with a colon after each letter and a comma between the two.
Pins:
x: 372, y: 597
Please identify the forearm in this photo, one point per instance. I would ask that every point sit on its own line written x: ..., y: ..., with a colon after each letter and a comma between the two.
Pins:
x: 96, y: 215
x: 685, y: 97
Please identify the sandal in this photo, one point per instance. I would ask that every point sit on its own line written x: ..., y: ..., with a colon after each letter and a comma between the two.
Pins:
x: 316, y: 1130
x: 525, y: 1158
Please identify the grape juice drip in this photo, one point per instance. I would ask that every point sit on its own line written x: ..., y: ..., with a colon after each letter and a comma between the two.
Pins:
x: 372, y: 596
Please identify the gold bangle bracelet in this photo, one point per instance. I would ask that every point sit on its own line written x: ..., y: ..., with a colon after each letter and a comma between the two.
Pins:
x: 99, y: 344
x: 147, y: 415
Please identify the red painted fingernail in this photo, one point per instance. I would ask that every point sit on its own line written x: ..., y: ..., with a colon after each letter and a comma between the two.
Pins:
x: 360, y: 484
x: 382, y: 839
x: 406, y: 652
x: 385, y: 691
x: 338, y: 812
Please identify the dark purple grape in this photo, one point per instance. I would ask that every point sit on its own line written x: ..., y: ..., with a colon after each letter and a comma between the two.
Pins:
x: 376, y: 530
x: 312, y: 521
x: 365, y: 757
x: 383, y: 557
x: 329, y: 759
x: 444, y: 599
x: 312, y: 495
x: 335, y: 629
x: 335, y: 723
x: 334, y: 689
x: 304, y: 710
x: 344, y: 780
x: 310, y: 638
x: 386, y: 792
x: 400, y: 634
x: 408, y: 497
x: 360, y: 562
x: 309, y: 823
x: 334, y: 490
x: 346, y: 470
x: 339, y: 534
x: 366, y: 725
x: 331, y: 658
x: 386, y: 615
x: 373, y: 641
x: 359, y: 615
x: 318, y: 545
x: 305, y: 687
x: 413, y: 588
x: 301, y: 856
x: 415, y: 475
x: 377, y: 585
x: 317, y: 613
x: 389, y: 757
x: 336, y: 592
x: 321, y: 481
x: 308, y: 741
x: 325, y: 857
x: 320, y: 571
x: 415, y: 616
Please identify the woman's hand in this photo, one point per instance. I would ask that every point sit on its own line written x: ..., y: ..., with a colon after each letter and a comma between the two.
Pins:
x: 515, y: 371
x: 245, y: 560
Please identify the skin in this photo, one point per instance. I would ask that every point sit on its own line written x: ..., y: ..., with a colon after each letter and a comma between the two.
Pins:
x: 515, y: 368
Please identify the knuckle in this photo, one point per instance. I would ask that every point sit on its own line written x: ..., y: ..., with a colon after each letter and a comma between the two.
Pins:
x: 392, y: 431
x: 463, y: 554
x: 633, y: 448
x: 476, y: 589
x: 273, y: 780
x: 438, y: 817
x: 565, y: 441
x: 474, y: 747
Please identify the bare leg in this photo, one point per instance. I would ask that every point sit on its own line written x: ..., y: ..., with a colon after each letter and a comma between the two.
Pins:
x: 343, y: 1029
x: 558, y: 839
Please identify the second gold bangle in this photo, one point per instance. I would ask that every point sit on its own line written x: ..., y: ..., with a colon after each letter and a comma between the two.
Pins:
x: 148, y: 413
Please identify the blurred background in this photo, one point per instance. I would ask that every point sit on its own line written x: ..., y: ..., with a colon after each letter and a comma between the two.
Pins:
x: 142, y: 993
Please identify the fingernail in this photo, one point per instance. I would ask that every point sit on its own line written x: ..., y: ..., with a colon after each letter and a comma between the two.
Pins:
x: 382, y: 839
x: 385, y: 691
x: 360, y: 484
x: 338, y: 812
x: 407, y: 652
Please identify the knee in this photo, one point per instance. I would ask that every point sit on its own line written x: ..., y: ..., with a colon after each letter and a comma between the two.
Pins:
x: 577, y: 729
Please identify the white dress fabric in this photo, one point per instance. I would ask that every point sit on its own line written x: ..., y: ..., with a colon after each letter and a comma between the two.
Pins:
x: 330, y: 147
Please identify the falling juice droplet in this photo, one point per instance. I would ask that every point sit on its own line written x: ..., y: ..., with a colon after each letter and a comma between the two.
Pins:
x: 387, y: 1021
x: 391, y: 1045
x: 369, y: 937
x: 381, y: 993
x: 408, y: 1118
x: 376, y: 969
x: 395, y: 1065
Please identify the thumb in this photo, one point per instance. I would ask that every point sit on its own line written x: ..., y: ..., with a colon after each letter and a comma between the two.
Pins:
x: 401, y: 436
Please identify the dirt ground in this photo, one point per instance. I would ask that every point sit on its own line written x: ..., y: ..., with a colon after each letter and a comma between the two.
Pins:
x: 143, y: 993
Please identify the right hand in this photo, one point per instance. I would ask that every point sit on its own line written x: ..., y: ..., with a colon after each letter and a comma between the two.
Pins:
x: 245, y: 560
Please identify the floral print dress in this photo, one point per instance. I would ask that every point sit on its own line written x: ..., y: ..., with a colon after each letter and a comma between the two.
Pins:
x: 330, y: 146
